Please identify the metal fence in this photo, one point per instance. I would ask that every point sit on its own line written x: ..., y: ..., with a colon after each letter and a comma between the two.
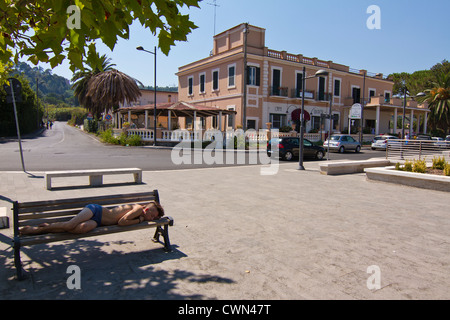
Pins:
x: 417, y: 150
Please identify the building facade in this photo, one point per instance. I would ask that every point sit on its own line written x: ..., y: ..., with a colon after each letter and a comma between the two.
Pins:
x: 264, y: 86
x: 148, y: 97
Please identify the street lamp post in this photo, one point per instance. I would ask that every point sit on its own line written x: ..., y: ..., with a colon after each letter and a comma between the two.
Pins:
x: 302, y: 118
x: 405, y: 92
x: 154, y: 109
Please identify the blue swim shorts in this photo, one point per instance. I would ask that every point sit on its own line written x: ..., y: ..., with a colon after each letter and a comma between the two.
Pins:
x: 97, y: 211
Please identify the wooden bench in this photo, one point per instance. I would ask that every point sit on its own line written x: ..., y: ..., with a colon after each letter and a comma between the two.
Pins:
x: 35, y: 213
x: 95, y: 176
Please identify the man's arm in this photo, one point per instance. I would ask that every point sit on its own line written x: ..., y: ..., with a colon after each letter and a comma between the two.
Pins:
x: 132, y: 217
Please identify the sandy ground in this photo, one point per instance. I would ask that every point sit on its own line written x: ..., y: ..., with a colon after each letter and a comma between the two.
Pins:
x: 242, y: 235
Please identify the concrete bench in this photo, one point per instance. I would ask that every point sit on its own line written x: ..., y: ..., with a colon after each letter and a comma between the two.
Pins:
x: 35, y: 213
x: 4, y: 219
x: 348, y: 167
x: 95, y: 176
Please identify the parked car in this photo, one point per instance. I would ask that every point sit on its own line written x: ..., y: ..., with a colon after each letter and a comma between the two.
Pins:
x: 447, y: 138
x: 289, y: 148
x: 382, y: 142
x: 342, y: 143
x: 380, y: 137
x: 439, y: 142
x: 423, y: 137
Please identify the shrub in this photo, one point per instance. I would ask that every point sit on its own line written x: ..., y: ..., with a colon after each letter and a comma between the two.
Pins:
x: 419, y: 166
x: 133, y: 140
x: 439, y: 163
x: 90, y: 125
x: 408, y: 166
x: 108, y: 137
x: 447, y: 169
x: 286, y: 129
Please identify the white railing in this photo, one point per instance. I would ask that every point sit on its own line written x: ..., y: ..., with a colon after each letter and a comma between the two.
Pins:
x: 417, y: 150
x: 145, y: 134
x: 179, y: 135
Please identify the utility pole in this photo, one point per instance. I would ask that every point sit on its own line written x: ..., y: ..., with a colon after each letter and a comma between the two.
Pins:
x: 14, y: 94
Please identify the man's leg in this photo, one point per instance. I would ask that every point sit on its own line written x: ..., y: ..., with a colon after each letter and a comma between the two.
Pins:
x: 81, y: 223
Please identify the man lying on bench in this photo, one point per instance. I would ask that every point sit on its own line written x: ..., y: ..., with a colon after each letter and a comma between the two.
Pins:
x: 94, y: 215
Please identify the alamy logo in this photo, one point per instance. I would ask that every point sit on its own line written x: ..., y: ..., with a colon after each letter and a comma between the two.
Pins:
x: 74, y: 20
x: 374, y: 281
x: 374, y: 21
x: 237, y: 147
x: 74, y: 281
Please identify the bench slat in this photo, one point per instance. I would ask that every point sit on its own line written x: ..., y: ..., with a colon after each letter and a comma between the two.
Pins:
x: 81, y: 205
x: 93, y: 172
x: 38, y: 221
x: 41, y: 206
x: 47, y: 215
x: 54, y: 237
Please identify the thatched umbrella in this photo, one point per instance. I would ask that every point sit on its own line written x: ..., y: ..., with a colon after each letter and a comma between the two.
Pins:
x: 108, y: 89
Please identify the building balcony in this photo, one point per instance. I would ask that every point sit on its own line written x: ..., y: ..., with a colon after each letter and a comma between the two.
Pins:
x: 287, y: 92
x: 394, y: 101
x: 279, y: 91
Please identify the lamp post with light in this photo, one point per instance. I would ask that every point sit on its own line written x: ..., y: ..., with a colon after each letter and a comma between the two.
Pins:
x: 154, y: 109
x: 302, y: 122
x: 405, y: 93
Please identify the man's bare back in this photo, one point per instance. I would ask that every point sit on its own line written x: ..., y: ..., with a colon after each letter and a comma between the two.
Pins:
x: 112, y: 216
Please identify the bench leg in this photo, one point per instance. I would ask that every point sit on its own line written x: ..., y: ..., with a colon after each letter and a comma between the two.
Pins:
x: 49, y: 183
x: 137, y: 177
x: 17, y: 262
x: 95, y: 181
x: 164, y: 232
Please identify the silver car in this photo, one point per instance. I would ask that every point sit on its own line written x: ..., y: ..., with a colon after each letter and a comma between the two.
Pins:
x: 382, y: 142
x: 342, y: 143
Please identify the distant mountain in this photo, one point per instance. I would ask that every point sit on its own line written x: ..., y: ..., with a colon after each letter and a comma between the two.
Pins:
x: 53, y: 89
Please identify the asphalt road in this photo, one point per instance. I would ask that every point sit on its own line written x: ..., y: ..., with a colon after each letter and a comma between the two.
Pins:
x: 67, y: 148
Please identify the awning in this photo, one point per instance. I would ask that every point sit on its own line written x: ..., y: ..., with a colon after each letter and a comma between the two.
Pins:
x: 295, y: 115
x: 178, y: 109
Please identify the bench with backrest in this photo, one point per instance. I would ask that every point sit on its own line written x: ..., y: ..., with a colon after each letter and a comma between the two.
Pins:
x: 95, y: 175
x: 35, y: 213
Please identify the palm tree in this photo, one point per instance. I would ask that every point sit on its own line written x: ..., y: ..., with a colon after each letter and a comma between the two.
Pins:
x: 438, y: 99
x: 81, y: 78
x: 108, y: 89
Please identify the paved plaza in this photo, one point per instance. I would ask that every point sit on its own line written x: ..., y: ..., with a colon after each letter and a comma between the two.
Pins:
x: 242, y: 235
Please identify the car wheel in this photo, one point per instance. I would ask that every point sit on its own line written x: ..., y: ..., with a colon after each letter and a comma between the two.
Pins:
x: 358, y: 149
x: 341, y: 149
x: 319, y: 155
x: 288, y: 156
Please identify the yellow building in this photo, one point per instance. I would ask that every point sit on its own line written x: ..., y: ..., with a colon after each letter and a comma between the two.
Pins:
x: 273, y: 86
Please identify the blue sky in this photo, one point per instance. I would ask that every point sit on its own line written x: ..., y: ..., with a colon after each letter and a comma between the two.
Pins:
x: 414, y: 35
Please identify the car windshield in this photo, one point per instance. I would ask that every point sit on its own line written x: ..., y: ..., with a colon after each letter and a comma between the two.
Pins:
x: 335, y: 138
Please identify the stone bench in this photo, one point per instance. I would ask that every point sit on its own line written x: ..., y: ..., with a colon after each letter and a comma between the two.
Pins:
x: 95, y: 175
x: 348, y: 167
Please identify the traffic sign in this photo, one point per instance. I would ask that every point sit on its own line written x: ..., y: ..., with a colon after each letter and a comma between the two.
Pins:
x: 355, y: 111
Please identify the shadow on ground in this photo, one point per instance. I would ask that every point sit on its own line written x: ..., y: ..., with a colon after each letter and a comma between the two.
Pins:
x: 104, y: 275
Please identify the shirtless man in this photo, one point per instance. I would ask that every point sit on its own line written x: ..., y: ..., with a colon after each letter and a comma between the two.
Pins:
x: 94, y: 215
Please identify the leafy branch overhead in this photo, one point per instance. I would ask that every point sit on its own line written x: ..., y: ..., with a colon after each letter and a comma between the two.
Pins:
x: 48, y: 31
